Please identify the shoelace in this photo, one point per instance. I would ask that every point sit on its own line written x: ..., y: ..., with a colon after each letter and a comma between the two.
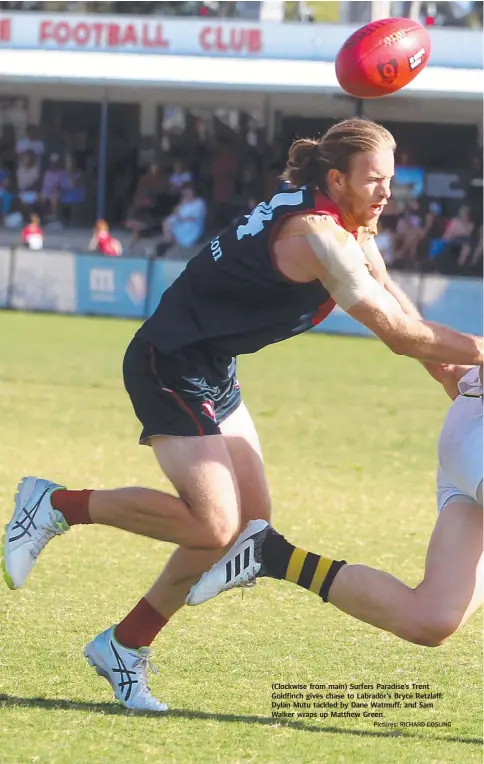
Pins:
x: 143, y: 663
x: 42, y: 538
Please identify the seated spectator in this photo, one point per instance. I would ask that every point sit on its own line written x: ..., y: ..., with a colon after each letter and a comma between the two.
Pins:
x: 53, y: 181
x: 73, y: 188
x: 141, y: 215
x: 187, y: 223
x: 31, y: 142
x: 409, y: 234
x: 103, y: 242
x: 28, y: 181
x: 180, y: 176
x: 460, y: 228
x: 32, y: 234
x: 470, y: 258
x: 433, y: 229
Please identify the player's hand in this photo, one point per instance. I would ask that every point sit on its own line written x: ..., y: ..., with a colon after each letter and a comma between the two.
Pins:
x: 448, y: 375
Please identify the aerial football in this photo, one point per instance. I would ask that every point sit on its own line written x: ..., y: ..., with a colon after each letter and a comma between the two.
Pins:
x: 382, y: 57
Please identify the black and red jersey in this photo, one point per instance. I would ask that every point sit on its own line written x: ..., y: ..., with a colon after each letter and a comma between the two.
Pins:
x: 231, y: 297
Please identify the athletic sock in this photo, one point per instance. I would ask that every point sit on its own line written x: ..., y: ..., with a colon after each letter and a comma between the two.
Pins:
x: 283, y: 560
x: 140, y: 626
x: 74, y: 505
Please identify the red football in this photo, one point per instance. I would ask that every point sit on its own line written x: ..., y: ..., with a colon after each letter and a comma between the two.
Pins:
x: 382, y: 57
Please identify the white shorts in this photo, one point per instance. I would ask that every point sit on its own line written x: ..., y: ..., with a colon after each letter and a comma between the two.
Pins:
x: 460, y: 452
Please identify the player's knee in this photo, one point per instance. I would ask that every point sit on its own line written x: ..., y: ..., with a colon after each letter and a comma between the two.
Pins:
x: 434, y: 628
x: 219, y: 530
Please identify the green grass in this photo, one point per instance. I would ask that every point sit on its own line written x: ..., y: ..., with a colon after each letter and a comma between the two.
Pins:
x: 349, y: 435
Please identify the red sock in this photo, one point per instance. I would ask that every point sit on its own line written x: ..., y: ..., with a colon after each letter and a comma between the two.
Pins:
x: 74, y: 505
x: 140, y: 627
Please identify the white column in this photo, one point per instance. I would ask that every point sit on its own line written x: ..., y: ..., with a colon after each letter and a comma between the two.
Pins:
x: 272, y: 10
x: 380, y: 9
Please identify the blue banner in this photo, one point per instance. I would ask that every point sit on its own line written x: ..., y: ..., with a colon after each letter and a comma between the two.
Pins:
x: 163, y: 274
x: 111, y: 286
x: 456, y: 302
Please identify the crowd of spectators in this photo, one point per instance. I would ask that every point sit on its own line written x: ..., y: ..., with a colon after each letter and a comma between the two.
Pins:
x: 423, y: 238
x: 196, y: 178
x: 39, y: 177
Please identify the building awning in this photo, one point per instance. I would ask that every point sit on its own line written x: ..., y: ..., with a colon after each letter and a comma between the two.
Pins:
x: 262, y: 75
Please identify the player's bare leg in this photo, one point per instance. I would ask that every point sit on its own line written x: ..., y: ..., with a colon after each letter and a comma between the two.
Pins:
x: 204, y: 515
x: 186, y: 566
x: 201, y: 470
x: 450, y: 592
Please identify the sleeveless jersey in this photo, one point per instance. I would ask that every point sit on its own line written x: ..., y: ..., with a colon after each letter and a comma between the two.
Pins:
x: 231, y: 298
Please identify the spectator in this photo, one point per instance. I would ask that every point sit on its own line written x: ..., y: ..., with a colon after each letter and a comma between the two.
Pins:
x: 187, y: 223
x: 433, y: 228
x: 409, y: 234
x: 180, y: 176
x: 73, y: 188
x: 32, y: 234
x: 152, y: 186
x: 52, y: 184
x: 460, y: 228
x: 28, y: 181
x: 31, y: 142
x: 103, y: 242
x: 470, y: 258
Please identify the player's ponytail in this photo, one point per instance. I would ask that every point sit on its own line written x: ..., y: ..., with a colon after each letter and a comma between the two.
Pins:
x: 310, y: 159
x: 300, y: 168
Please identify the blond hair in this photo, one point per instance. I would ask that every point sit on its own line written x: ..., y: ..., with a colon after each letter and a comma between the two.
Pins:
x: 311, y: 159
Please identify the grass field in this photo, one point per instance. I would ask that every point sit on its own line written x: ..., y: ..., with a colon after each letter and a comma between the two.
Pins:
x: 349, y: 435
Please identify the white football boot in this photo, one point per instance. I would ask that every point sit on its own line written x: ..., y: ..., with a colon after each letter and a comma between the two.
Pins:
x: 34, y: 523
x: 126, y: 670
x: 239, y: 567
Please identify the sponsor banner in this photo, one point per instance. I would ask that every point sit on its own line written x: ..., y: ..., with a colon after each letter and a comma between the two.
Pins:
x: 212, y: 37
x: 44, y: 281
x: 163, y: 274
x: 5, y: 260
x: 456, y: 302
x: 111, y: 286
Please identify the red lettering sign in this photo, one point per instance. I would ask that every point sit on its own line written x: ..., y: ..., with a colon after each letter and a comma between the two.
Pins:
x: 130, y: 35
x: 114, y: 35
x: 45, y: 31
x: 99, y: 35
x: 5, y: 30
x: 158, y: 41
x: 233, y: 40
x: 82, y: 34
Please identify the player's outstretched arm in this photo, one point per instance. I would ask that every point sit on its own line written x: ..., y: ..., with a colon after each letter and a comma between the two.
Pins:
x: 447, y: 375
x: 340, y: 264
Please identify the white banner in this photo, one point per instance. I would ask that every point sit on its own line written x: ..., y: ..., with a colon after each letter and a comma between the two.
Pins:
x: 214, y: 37
x: 5, y: 259
x: 44, y: 281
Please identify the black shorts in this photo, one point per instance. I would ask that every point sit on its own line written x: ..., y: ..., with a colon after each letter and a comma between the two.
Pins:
x: 186, y: 393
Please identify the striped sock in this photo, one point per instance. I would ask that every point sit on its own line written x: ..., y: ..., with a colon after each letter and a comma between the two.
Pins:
x: 287, y: 562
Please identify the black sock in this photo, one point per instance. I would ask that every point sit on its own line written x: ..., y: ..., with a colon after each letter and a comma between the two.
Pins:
x: 283, y: 560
